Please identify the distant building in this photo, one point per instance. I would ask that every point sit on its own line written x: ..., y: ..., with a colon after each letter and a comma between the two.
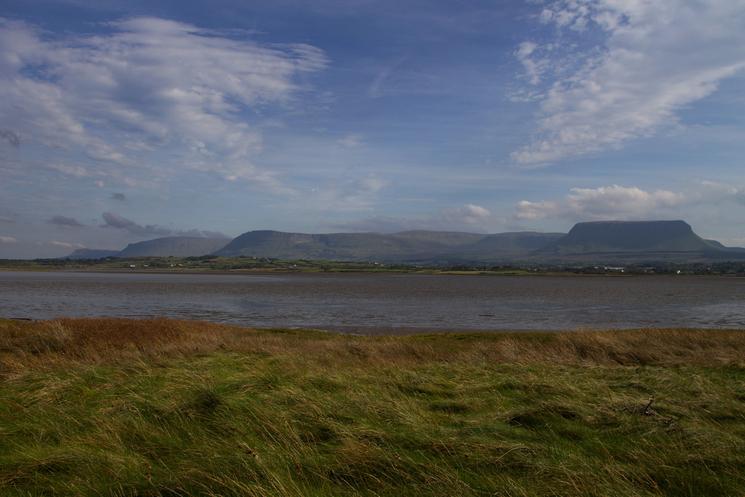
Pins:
x: 615, y: 269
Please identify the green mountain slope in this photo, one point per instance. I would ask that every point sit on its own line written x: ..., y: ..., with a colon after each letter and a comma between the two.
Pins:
x: 86, y: 253
x: 178, y: 246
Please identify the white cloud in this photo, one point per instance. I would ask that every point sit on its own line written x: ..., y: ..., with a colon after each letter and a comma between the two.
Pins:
x: 620, y: 202
x: 469, y: 217
x: 534, y: 67
x: 536, y: 210
x: 350, y: 141
x: 146, y: 87
x: 8, y: 239
x: 469, y: 214
x: 377, y: 86
x: 352, y: 194
x: 708, y: 192
x: 371, y: 184
x: 75, y: 170
x: 605, y: 202
x: 658, y: 57
x: 66, y: 245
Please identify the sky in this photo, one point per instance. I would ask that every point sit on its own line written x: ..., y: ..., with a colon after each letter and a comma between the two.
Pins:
x: 123, y: 121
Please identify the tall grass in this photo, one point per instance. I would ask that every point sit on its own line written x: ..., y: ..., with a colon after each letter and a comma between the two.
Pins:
x: 161, y: 407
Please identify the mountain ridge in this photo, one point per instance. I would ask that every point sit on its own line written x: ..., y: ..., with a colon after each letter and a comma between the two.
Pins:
x: 177, y: 246
x: 591, y: 241
x: 86, y: 253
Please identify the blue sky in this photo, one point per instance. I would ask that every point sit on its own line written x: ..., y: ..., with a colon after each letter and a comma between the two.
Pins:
x: 124, y: 121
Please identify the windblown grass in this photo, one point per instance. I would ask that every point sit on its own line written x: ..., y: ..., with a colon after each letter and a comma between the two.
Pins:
x: 161, y: 407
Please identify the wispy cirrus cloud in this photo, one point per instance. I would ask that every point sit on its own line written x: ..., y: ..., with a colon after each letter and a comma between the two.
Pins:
x: 655, y: 57
x: 144, y: 86
x: 348, y: 194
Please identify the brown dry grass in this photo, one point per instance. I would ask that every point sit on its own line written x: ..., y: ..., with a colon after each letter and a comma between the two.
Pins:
x: 48, y: 343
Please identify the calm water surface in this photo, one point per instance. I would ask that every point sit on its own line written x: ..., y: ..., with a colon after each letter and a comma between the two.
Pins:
x: 370, y: 302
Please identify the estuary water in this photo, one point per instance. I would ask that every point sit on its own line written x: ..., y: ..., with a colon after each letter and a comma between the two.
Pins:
x: 383, y: 303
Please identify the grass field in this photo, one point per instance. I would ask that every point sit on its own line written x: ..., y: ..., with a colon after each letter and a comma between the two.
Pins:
x: 238, y: 265
x: 159, y: 407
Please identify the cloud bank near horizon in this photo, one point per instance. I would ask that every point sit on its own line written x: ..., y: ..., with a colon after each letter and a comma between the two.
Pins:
x: 626, y: 203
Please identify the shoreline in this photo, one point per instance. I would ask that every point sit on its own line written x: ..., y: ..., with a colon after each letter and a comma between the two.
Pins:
x: 331, y: 273
x: 394, y: 272
x: 386, y: 331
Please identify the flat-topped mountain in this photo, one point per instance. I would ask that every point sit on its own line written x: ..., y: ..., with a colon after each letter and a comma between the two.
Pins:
x: 177, y: 246
x: 631, y: 236
x: 644, y: 239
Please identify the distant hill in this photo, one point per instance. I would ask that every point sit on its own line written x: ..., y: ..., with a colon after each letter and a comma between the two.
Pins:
x: 334, y: 246
x: 406, y: 246
x: 86, y: 253
x: 177, y: 246
x: 516, y: 244
x: 439, y: 238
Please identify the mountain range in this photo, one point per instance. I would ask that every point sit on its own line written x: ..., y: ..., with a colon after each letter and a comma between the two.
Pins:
x: 600, y: 241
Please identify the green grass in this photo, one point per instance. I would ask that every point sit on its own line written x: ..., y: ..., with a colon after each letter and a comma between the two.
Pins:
x: 243, y: 265
x: 313, y: 414
x: 205, y: 264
